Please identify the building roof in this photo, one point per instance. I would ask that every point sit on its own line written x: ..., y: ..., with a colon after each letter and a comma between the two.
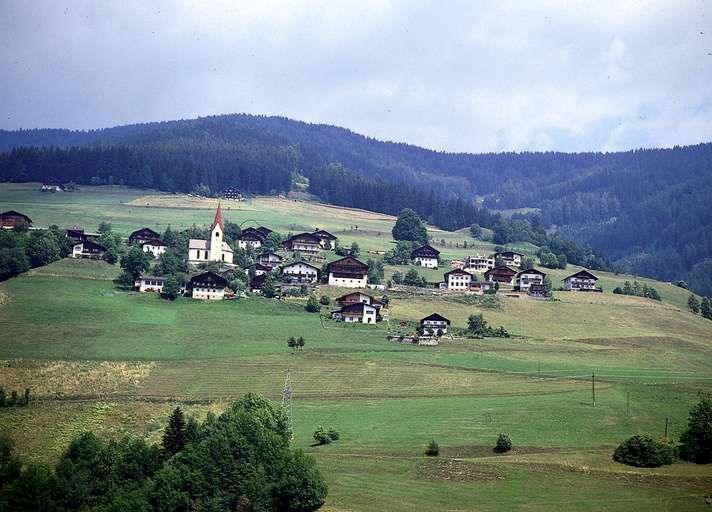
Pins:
x: 255, y: 234
x: 582, y: 274
x: 196, y: 243
x: 300, y: 263
x: 324, y: 234
x: 508, y: 253
x: 260, y: 266
x: 155, y: 241
x: 435, y: 318
x: 218, y: 220
x: 144, y: 233
x: 13, y: 213
x: 501, y: 270
x: 356, y: 307
x: 226, y: 247
x: 303, y: 237
x: 426, y: 251
x: 88, y: 244
x: 352, y: 294
x: 347, y: 264
x: 155, y: 278
x: 271, y: 254
x: 457, y: 271
x: 208, y: 280
x: 531, y: 271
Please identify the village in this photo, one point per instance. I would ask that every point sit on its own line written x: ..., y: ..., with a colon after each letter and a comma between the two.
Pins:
x: 301, y: 263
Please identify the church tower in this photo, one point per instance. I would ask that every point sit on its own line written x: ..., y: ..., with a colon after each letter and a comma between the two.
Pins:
x: 216, y: 236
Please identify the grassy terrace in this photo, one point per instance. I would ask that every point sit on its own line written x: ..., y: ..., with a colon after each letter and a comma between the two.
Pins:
x: 101, y: 359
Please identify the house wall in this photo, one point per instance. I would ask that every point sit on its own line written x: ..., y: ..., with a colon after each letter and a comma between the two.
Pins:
x: 348, y: 282
x: 244, y: 244
x: 526, y: 280
x: 155, y: 250
x: 577, y: 283
x: 426, y: 262
x: 208, y: 293
x: 432, y: 326
x: 151, y: 285
x: 458, y: 282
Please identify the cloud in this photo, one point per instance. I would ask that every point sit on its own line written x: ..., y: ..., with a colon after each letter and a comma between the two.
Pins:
x: 457, y: 76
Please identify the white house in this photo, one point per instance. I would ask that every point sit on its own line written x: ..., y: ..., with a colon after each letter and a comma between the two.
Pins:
x: 207, y: 286
x: 527, y: 278
x: 479, y: 263
x: 347, y: 272
x: 156, y: 247
x: 215, y: 249
x: 150, y: 284
x: 253, y: 237
x: 88, y: 249
x: 510, y: 258
x: 583, y: 280
x: 425, y: 256
x: 458, y: 280
x: 434, y: 323
x: 357, y: 313
x: 301, y: 272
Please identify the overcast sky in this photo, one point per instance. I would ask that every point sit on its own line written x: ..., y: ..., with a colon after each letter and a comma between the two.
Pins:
x: 456, y: 76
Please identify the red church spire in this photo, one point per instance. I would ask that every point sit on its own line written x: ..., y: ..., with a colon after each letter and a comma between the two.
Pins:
x: 218, y: 219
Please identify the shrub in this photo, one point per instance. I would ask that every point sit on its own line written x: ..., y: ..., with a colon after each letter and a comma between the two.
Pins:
x: 433, y: 449
x: 696, y: 441
x: 334, y: 434
x: 504, y: 444
x: 312, y: 304
x: 321, y: 436
x: 325, y: 301
x: 643, y: 451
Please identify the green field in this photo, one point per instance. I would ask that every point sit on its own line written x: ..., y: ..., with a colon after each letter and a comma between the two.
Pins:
x: 114, y: 362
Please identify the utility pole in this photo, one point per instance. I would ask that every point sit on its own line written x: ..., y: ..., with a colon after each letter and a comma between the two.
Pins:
x: 540, y: 369
x: 627, y: 403
x: 287, y: 402
x: 666, y: 426
x: 593, y: 387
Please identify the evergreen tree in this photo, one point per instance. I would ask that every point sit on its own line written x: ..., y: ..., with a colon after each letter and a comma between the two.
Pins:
x: 312, y: 304
x: 410, y: 227
x: 171, y: 288
x: 174, y: 436
x: 696, y: 441
x: 693, y: 304
x: 706, y: 308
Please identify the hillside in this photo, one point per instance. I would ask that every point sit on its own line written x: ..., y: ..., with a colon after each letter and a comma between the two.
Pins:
x: 609, y: 200
x: 114, y: 362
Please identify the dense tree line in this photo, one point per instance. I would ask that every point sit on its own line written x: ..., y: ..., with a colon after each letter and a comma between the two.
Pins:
x: 21, y: 250
x: 645, y: 209
x: 240, y: 460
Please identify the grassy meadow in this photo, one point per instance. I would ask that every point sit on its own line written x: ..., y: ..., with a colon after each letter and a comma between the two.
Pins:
x: 115, y: 362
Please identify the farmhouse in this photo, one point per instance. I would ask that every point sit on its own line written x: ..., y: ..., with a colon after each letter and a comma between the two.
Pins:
x: 434, y: 323
x: 215, y: 249
x: 207, y: 286
x: 78, y: 235
x: 256, y: 282
x: 303, y: 242
x: 261, y: 269
x: 326, y: 239
x: 359, y: 298
x: 12, y: 219
x: 583, y: 281
x: 527, y: 278
x: 510, y: 258
x: 156, y: 247
x: 357, y: 312
x: 301, y: 272
x: 502, y: 275
x: 150, y: 284
x: 479, y: 263
x: 88, y: 249
x: 143, y: 235
x: 270, y: 259
x: 458, y: 280
x: 253, y: 237
x: 425, y: 256
x: 348, y: 272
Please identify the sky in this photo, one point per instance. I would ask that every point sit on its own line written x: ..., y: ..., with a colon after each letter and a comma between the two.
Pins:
x: 448, y: 75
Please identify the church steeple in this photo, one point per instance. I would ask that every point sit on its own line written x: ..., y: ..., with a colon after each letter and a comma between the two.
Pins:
x: 218, y: 219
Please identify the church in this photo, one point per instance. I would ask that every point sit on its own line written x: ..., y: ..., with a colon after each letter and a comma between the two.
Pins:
x: 215, y: 249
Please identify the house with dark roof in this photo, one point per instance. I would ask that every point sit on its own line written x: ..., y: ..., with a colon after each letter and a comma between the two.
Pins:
x: 526, y: 278
x: 253, y: 237
x: 425, y: 256
x: 260, y: 269
x: 78, y: 235
x: 348, y: 272
x: 510, y: 258
x: 358, y: 298
x: 501, y: 275
x: 357, y: 312
x: 326, y: 239
x: 88, y: 249
x: 270, y: 259
x: 207, y: 286
x: 12, y: 219
x: 433, y: 323
x: 257, y: 282
x: 457, y: 280
x: 581, y: 281
x: 143, y: 235
x: 155, y: 247
x: 303, y: 242
x: 301, y: 272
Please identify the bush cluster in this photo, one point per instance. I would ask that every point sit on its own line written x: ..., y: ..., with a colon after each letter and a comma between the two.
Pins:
x: 643, y: 451
x: 323, y: 436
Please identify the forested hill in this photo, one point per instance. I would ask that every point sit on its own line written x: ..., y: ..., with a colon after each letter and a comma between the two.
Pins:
x: 648, y: 210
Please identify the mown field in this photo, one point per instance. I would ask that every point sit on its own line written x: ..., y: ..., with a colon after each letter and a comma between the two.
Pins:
x: 102, y: 359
